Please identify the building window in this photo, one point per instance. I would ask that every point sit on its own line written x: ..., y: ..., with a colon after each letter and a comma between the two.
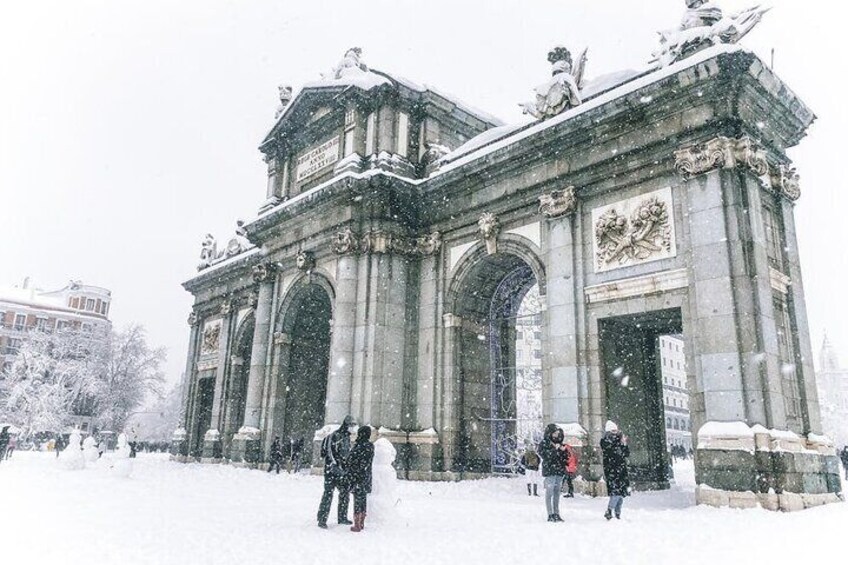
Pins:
x: 41, y: 324
x: 403, y: 134
x: 89, y: 305
x: 371, y: 133
x: 62, y: 324
x: 537, y: 354
x: 771, y: 223
x: 786, y: 354
x: 668, y: 422
x: 20, y: 322
x: 13, y: 345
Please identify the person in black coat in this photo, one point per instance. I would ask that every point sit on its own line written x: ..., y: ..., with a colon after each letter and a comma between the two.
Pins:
x: 844, y: 456
x: 4, y: 441
x: 359, y: 474
x: 275, y: 455
x: 335, y: 450
x: 554, y: 460
x: 296, y: 449
x: 59, y: 444
x: 615, y: 453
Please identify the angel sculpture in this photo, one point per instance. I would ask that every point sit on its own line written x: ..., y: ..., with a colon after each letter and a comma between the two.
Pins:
x: 562, y: 91
x: 704, y: 25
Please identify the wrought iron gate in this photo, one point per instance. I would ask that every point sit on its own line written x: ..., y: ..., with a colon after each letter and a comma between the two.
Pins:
x: 516, y: 383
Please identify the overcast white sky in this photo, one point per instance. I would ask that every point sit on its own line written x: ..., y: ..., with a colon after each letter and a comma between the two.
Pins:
x: 129, y: 129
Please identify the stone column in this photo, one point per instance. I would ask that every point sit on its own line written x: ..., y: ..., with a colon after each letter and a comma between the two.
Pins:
x: 246, y: 443
x: 342, y: 342
x: 559, y: 352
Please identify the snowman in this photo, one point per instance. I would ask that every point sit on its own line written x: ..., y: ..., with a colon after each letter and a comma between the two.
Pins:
x: 89, y: 451
x: 383, y: 500
x: 71, y: 457
x: 121, y: 463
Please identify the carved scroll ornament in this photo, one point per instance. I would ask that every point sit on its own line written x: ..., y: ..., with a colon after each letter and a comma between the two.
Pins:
x: 558, y: 203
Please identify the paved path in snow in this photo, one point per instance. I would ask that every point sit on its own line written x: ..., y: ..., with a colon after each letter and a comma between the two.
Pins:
x: 169, y: 513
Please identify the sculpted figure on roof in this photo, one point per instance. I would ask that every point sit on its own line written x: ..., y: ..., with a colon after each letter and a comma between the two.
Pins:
x: 704, y: 24
x: 352, y: 60
x: 562, y: 91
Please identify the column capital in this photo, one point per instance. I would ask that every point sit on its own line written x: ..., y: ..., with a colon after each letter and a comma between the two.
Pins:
x: 264, y: 272
x: 192, y: 318
x: 721, y: 152
x: 558, y: 203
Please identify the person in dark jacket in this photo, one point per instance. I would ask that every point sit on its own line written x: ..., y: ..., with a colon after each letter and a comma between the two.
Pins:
x: 554, y: 460
x: 59, y: 444
x: 844, y: 456
x: 335, y: 450
x: 615, y: 453
x: 359, y: 474
x: 4, y: 441
x: 275, y: 455
x: 296, y: 449
x: 530, y: 461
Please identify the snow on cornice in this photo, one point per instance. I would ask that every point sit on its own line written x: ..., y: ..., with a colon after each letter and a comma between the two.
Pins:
x: 609, y: 96
x: 225, y: 263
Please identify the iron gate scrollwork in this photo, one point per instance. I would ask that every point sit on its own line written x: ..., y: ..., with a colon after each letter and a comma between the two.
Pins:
x: 516, y: 380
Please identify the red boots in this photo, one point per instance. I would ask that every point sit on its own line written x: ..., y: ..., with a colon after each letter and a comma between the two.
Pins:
x: 358, y: 522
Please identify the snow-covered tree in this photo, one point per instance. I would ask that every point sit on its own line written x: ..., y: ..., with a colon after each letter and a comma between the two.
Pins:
x: 51, y: 375
x: 131, y: 371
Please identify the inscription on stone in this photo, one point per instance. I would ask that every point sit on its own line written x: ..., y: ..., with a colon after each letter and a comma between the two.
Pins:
x: 317, y: 159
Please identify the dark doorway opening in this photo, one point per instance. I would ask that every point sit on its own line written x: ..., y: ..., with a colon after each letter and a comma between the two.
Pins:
x: 631, y: 365
x: 205, y: 398
x: 306, y: 386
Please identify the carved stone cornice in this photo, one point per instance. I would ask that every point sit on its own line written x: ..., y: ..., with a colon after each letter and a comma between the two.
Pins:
x: 786, y: 182
x: 489, y: 228
x: 263, y: 272
x: 721, y: 152
x: 558, y: 203
x: 380, y: 241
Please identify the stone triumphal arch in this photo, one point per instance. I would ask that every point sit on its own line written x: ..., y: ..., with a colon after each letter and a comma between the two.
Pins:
x: 457, y: 283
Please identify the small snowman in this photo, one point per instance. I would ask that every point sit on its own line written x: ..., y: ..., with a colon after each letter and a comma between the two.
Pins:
x: 121, y: 463
x: 89, y: 451
x: 71, y: 457
x: 383, y: 501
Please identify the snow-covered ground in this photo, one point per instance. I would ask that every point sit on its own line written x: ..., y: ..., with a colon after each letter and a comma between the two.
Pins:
x: 170, y: 513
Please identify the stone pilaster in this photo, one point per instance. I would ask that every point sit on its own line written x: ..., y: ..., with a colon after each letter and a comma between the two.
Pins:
x: 339, y: 380
x: 247, y: 442
x: 559, y: 332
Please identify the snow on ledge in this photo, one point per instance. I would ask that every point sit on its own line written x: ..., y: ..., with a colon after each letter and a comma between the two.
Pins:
x: 609, y: 96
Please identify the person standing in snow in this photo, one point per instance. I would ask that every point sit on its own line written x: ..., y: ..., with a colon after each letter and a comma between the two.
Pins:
x: 295, y: 454
x: 10, y: 447
x: 335, y: 450
x: 570, y: 470
x: 4, y: 441
x: 359, y: 474
x: 531, y: 461
x: 844, y: 456
x: 554, y: 461
x: 615, y: 454
x: 275, y: 455
x: 59, y: 444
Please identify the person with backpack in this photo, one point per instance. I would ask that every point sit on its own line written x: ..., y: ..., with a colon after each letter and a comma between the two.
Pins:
x: 359, y: 473
x: 570, y: 470
x: 335, y: 450
x: 530, y: 462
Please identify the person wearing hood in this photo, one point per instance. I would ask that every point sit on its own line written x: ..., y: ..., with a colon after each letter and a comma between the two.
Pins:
x: 359, y: 472
x: 335, y: 450
x: 554, y: 460
x: 275, y: 458
x: 530, y: 461
x: 615, y: 453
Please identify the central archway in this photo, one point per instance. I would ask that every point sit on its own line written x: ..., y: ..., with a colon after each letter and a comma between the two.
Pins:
x: 305, y: 358
x: 498, y: 359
